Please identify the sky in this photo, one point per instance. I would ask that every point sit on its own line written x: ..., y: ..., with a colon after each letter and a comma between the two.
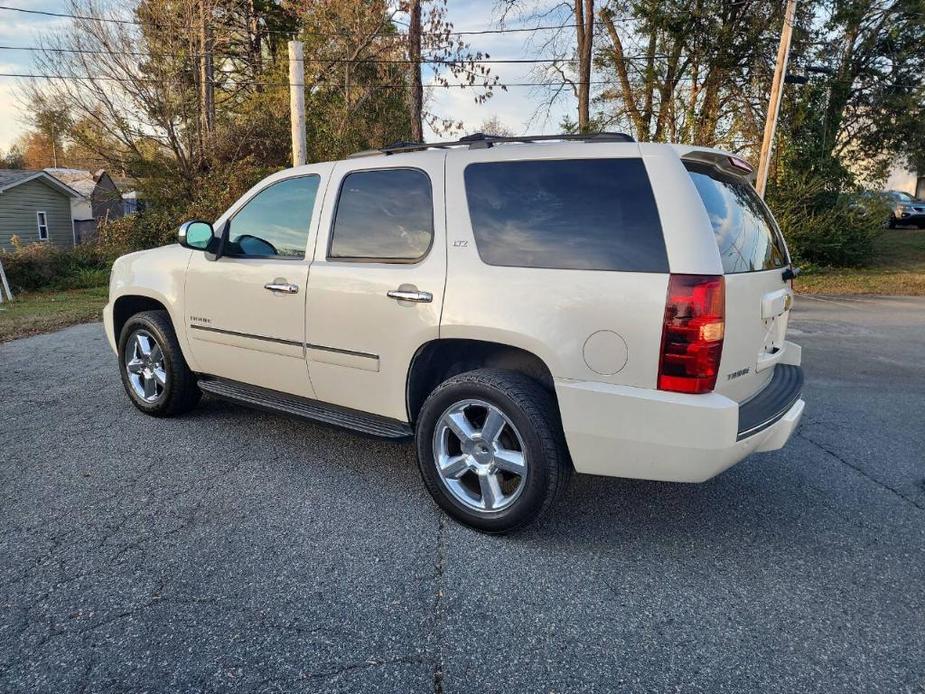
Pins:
x: 514, y: 108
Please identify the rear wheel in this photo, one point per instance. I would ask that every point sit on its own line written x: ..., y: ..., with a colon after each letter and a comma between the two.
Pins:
x: 154, y: 373
x: 491, y: 450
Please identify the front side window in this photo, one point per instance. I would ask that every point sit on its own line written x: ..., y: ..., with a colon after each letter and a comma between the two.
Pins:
x: 385, y: 215
x: 275, y: 222
x: 580, y: 214
x: 747, y: 237
x: 42, y: 219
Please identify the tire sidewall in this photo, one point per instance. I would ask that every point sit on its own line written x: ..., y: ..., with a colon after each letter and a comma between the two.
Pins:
x: 144, y: 322
x: 533, y: 496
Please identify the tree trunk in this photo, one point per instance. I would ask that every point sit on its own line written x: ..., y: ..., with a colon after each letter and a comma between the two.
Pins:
x: 629, y: 97
x: 584, y: 33
x: 416, y: 102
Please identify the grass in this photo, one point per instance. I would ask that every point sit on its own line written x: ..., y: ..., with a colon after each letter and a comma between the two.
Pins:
x: 898, y: 268
x: 41, y: 312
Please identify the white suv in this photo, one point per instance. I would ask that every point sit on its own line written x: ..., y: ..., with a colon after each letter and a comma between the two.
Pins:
x: 522, y: 308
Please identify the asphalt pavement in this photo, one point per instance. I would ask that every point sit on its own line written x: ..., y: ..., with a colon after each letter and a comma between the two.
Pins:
x: 233, y: 550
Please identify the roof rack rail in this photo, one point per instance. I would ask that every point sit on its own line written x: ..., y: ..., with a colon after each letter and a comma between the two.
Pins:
x: 483, y: 141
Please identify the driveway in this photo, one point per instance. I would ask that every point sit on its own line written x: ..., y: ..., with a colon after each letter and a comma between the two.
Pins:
x: 240, y: 551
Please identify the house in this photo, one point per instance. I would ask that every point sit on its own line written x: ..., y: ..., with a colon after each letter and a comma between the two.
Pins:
x: 100, y: 199
x: 133, y: 201
x: 35, y: 206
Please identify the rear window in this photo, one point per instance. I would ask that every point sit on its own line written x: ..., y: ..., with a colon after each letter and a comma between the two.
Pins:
x: 580, y: 214
x: 747, y: 237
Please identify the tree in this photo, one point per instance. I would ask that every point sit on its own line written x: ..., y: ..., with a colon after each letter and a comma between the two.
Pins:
x: 494, y: 126
x: 570, y: 46
x: 432, y: 41
x: 14, y: 158
x: 689, y: 70
x: 875, y: 104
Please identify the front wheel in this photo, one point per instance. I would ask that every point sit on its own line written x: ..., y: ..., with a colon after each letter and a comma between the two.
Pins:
x: 154, y: 373
x: 491, y: 449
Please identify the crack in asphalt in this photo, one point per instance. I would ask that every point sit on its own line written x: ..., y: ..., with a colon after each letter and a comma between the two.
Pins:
x: 860, y: 471
x: 439, y: 607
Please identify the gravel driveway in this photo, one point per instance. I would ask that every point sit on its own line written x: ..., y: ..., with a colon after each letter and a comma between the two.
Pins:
x: 239, y: 551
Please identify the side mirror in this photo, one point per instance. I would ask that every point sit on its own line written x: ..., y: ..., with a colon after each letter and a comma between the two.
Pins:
x: 197, y: 235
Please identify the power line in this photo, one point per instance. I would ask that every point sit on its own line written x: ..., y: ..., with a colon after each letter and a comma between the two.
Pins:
x: 464, y: 32
x: 286, y: 85
x: 65, y: 15
x: 385, y: 61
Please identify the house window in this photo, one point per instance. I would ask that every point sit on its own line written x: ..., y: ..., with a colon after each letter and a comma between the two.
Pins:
x: 43, y: 226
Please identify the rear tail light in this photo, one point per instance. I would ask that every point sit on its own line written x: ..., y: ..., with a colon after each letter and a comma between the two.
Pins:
x: 692, y: 334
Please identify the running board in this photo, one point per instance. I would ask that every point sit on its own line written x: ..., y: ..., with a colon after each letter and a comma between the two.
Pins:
x: 273, y: 401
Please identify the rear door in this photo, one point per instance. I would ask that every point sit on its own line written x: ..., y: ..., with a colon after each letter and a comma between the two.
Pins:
x: 758, y: 299
x: 375, y: 288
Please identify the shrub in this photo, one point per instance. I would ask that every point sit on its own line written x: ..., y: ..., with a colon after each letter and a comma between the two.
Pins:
x: 827, y: 228
x: 138, y: 231
x: 43, y: 266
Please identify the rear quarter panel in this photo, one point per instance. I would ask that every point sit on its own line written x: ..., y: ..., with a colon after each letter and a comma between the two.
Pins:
x: 553, y: 313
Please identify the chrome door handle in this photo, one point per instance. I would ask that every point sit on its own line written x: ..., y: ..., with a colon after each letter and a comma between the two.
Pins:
x: 408, y: 295
x: 281, y: 287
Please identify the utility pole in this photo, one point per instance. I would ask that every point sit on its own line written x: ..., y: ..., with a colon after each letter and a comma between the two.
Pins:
x: 206, y: 81
x: 54, y: 152
x: 770, y: 125
x: 414, y: 55
x: 297, y: 102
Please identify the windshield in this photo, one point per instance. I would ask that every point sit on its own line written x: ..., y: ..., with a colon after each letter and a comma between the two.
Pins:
x: 903, y: 197
x: 747, y: 237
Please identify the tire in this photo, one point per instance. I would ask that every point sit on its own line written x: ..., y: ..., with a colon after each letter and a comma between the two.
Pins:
x: 892, y: 223
x: 160, y: 387
x: 529, y: 425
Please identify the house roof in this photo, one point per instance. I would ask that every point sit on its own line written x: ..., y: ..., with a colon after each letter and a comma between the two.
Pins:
x: 10, y: 178
x: 78, y: 179
x: 84, y: 182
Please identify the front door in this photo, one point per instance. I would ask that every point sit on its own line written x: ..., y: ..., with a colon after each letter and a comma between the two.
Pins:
x: 376, y: 284
x: 246, y: 311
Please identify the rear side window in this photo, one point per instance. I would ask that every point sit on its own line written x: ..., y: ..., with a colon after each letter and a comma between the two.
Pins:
x: 385, y: 215
x: 747, y: 237
x: 580, y: 214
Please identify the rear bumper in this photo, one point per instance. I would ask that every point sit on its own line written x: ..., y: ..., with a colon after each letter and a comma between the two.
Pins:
x: 648, y: 434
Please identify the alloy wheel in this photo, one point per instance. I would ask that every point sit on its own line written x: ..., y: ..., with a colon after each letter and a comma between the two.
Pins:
x: 145, y: 366
x: 480, y: 456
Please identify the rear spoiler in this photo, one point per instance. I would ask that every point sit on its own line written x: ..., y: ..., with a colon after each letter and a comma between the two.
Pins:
x: 723, y: 161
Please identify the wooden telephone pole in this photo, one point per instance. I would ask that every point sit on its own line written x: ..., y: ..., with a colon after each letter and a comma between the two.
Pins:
x: 206, y: 76
x: 770, y: 125
x: 297, y: 102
